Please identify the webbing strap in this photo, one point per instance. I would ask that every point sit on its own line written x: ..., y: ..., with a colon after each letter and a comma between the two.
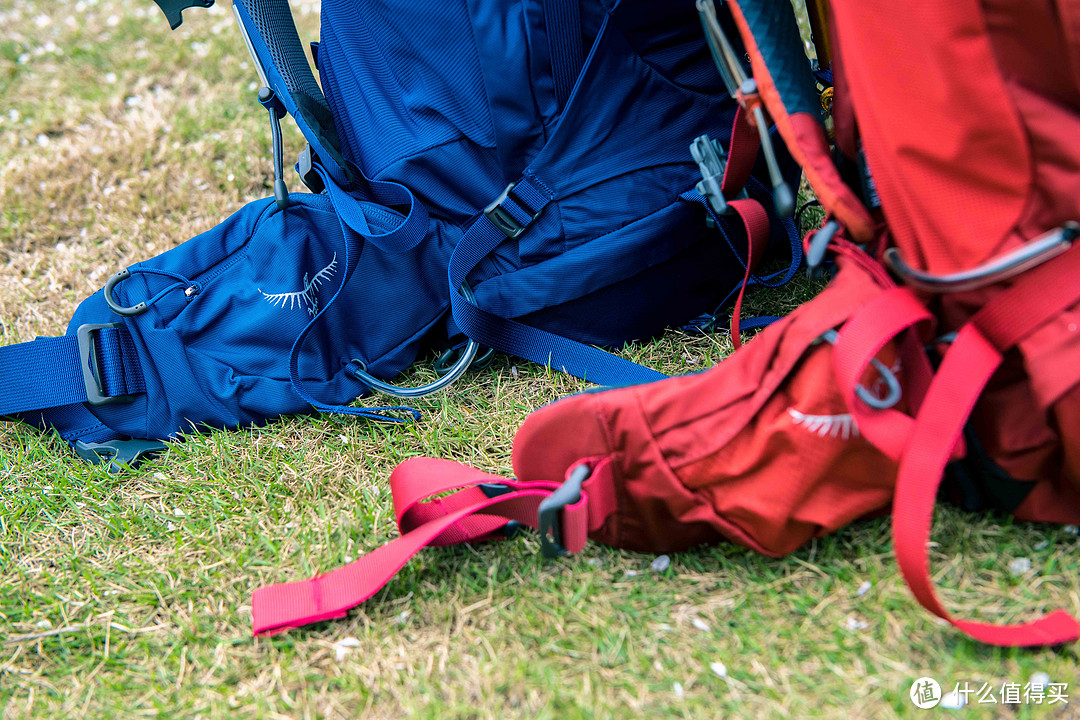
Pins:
x: 1041, y: 294
x: 521, y: 205
x: 742, y: 153
x: 467, y: 515
x: 49, y: 372
x: 884, y: 317
x: 756, y: 222
x: 562, y: 23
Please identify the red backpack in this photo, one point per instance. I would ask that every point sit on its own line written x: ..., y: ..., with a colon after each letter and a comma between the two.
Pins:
x: 950, y: 332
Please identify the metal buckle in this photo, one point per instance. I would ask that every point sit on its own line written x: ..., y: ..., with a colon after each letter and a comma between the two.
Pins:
x: 88, y: 363
x: 1045, y: 247
x: 501, y: 218
x: 118, y: 453
x: 549, y: 516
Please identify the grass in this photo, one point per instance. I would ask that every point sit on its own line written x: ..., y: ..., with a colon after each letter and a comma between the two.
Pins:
x: 128, y: 594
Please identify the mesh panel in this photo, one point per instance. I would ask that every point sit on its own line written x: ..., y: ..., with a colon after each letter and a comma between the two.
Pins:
x: 274, y: 23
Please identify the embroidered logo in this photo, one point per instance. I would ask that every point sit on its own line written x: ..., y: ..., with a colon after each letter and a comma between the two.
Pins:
x: 307, y: 297
x: 841, y: 426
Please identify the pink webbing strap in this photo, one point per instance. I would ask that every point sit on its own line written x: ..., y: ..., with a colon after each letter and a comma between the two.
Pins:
x: 467, y: 515
x: 756, y: 222
x: 1037, y: 297
x: 963, y: 374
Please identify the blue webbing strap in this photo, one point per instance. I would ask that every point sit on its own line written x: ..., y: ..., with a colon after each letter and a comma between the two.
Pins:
x: 48, y: 372
x: 523, y: 203
x: 562, y: 22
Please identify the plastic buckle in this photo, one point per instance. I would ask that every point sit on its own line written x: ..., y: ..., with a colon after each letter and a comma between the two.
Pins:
x: 501, y: 217
x: 173, y: 9
x: 118, y: 453
x: 88, y: 363
x: 305, y: 167
x: 549, y: 516
x: 493, y: 490
x: 819, y: 243
x: 712, y: 161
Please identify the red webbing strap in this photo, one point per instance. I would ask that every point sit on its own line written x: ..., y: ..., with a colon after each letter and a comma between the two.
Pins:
x: 742, y: 154
x: 967, y: 367
x: 756, y: 222
x: 877, y: 323
x: 1037, y: 297
x: 465, y: 516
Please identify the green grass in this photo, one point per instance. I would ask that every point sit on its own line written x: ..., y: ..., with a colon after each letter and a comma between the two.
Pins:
x: 129, y: 594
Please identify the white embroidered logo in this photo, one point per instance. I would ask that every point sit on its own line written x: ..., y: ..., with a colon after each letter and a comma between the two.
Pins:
x: 842, y: 426
x: 306, y: 297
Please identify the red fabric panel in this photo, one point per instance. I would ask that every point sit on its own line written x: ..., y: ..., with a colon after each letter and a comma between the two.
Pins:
x: 756, y: 451
x: 943, y: 138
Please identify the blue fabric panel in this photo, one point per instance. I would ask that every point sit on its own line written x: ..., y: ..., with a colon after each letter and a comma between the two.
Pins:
x: 401, y: 78
x: 221, y: 358
x: 597, y: 141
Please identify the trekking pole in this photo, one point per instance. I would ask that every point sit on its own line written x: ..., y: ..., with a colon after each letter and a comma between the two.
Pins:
x: 743, y: 89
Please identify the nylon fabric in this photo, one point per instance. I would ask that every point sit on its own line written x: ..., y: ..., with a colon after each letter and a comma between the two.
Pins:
x: 437, y: 106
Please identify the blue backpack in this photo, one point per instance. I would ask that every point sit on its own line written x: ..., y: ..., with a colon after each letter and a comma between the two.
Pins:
x: 505, y: 174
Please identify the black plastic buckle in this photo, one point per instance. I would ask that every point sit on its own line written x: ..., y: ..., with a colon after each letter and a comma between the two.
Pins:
x: 118, y: 453
x: 550, y: 514
x: 88, y: 363
x: 501, y: 217
x: 305, y: 167
x: 174, y: 8
x: 493, y: 490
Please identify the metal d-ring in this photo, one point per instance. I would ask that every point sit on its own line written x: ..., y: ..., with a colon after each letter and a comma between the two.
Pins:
x: 892, y: 384
x: 358, y: 371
